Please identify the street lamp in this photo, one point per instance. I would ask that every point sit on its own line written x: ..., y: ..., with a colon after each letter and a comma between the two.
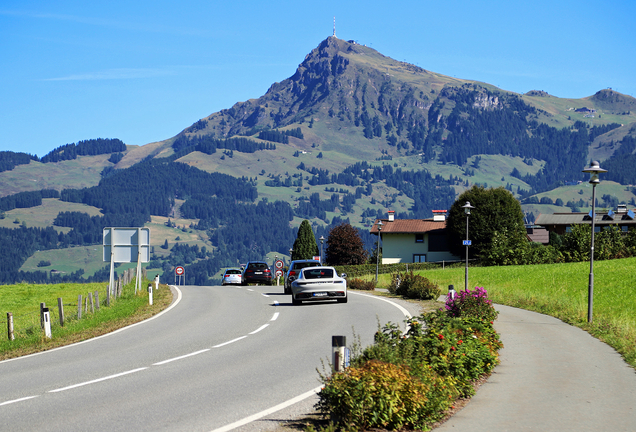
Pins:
x: 594, y: 170
x: 377, y: 254
x: 290, y: 254
x: 322, y: 240
x: 467, y: 208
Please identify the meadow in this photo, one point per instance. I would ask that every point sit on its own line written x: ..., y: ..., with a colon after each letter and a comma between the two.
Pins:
x: 23, y: 302
x: 559, y: 290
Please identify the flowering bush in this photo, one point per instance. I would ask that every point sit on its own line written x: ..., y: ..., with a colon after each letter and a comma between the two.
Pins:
x: 471, y: 304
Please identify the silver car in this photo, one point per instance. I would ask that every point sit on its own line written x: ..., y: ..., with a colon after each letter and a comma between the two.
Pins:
x: 232, y: 276
x: 319, y: 283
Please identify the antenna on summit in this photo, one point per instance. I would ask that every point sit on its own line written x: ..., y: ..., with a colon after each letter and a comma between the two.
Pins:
x: 334, y: 26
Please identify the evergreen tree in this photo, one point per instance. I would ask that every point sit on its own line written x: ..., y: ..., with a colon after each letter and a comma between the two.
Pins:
x: 344, y: 246
x: 305, y: 246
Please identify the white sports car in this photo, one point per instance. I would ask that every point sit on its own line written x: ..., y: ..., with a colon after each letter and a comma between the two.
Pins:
x: 319, y: 283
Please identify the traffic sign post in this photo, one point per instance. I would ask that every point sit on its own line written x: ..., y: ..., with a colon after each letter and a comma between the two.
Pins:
x: 467, y: 242
x: 180, y: 272
x: 278, y: 265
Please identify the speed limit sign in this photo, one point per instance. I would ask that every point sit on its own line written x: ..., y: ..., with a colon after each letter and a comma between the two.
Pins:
x: 278, y: 264
x: 179, y: 271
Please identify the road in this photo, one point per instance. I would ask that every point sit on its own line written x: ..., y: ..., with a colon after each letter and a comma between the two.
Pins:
x: 218, y: 356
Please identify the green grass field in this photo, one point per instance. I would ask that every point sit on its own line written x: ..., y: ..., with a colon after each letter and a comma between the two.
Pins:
x: 23, y: 301
x: 560, y: 290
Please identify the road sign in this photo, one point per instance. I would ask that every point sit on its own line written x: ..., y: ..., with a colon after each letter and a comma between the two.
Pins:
x: 278, y: 264
x: 279, y: 273
x: 179, y: 271
x: 467, y: 242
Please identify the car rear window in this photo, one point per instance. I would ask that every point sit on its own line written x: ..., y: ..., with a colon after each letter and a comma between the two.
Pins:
x: 258, y: 266
x: 318, y: 273
x: 233, y: 272
x: 307, y: 264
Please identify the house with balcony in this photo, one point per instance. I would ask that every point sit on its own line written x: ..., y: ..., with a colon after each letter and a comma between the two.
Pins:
x: 414, y: 240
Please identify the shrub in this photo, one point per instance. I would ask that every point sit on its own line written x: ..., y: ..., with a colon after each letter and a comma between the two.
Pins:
x: 413, y: 286
x: 359, y: 284
x: 378, y: 394
x: 471, y: 304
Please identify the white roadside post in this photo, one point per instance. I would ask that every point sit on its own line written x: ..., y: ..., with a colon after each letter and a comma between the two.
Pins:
x: 47, y: 322
x: 150, y: 294
x: 338, y: 344
x: 156, y: 282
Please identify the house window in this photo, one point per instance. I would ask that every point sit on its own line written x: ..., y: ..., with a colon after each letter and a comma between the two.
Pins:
x: 597, y: 228
x: 419, y: 238
x: 624, y: 228
x: 568, y: 229
x: 419, y: 258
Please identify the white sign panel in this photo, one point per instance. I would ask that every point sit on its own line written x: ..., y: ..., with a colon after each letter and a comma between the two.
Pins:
x: 126, y: 244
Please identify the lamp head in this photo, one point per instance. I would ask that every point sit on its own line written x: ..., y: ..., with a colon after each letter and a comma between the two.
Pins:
x: 594, y: 170
x: 467, y: 207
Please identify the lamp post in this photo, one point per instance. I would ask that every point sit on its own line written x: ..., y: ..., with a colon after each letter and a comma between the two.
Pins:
x: 594, y: 170
x: 290, y: 254
x: 377, y: 254
x: 322, y: 240
x: 467, y: 208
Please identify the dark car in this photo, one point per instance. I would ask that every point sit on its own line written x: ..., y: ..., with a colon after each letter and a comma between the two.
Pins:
x: 257, y: 272
x: 294, y: 270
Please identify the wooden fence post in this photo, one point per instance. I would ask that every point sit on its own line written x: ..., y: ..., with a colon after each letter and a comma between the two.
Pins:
x: 79, y: 306
x: 60, y: 308
x: 97, y: 299
x: 42, y: 306
x: 10, y: 326
x: 90, y: 296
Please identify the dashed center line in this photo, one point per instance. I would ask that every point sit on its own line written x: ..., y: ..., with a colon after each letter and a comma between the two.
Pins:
x: 274, y: 318
x: 181, y: 357
x: 97, y: 380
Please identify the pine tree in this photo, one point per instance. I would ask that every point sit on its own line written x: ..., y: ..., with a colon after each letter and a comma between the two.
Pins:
x: 305, y: 246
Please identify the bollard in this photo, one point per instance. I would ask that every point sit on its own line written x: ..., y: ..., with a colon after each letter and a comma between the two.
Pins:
x: 338, y: 352
x: 451, y: 292
x: 150, y: 294
x: 156, y: 282
x: 47, y: 322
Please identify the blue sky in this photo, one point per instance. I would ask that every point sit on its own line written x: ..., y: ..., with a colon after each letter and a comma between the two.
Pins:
x: 142, y: 71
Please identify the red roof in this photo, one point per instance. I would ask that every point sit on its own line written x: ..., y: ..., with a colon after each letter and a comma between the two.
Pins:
x: 410, y: 226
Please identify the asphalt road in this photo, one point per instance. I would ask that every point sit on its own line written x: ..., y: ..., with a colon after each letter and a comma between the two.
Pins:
x: 219, y: 356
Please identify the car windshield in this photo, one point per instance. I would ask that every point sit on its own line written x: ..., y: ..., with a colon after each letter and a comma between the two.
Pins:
x: 318, y: 273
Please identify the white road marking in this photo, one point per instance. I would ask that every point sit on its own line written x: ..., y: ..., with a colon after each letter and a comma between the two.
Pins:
x: 17, y: 400
x: 259, y: 329
x: 404, y: 311
x: 229, y: 342
x: 275, y: 316
x: 98, y: 380
x: 264, y: 295
x: 268, y: 411
x: 181, y: 357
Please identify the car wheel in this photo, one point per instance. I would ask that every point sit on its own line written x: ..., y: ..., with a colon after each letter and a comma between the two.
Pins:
x: 343, y: 300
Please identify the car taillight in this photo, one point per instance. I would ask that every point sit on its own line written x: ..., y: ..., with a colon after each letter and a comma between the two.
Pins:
x: 268, y: 271
x: 292, y: 273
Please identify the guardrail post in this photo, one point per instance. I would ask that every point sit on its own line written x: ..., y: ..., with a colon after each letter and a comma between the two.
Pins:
x: 10, y: 326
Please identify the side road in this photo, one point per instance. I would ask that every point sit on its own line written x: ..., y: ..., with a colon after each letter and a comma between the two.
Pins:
x: 552, y: 377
